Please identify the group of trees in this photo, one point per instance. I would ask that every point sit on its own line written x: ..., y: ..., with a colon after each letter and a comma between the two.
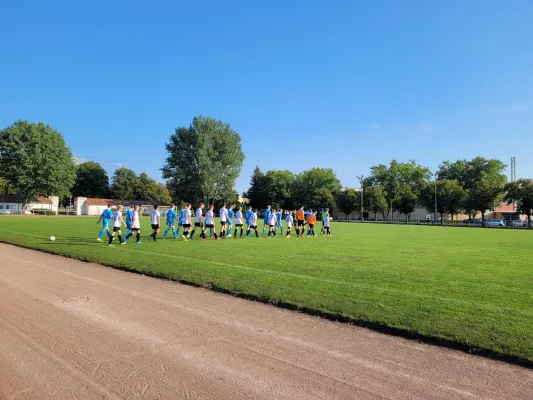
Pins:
x: 203, y: 163
x: 92, y: 181
x: 205, y: 159
x: 314, y: 188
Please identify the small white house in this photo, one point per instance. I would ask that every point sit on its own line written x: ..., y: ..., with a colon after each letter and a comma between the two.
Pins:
x: 12, y: 205
x: 95, y: 207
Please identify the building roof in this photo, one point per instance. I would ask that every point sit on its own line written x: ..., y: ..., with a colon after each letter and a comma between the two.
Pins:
x: 98, y: 202
x: 16, y: 199
x: 506, y: 208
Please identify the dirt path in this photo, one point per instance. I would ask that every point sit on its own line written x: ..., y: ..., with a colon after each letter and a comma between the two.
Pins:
x: 72, y: 330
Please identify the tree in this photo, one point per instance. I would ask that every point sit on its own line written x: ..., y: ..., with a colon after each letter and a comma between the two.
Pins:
x: 322, y: 198
x: 35, y: 161
x: 392, y: 178
x: 124, y: 183
x: 306, y: 184
x: 279, y: 185
x: 470, y: 175
x: 485, y: 194
x: 91, y: 181
x: 348, y: 200
x: 162, y: 194
x: 258, y: 191
x: 376, y: 200
x: 520, y: 192
x: 204, y: 160
x: 450, y: 197
x: 406, y: 200
x: 5, y: 188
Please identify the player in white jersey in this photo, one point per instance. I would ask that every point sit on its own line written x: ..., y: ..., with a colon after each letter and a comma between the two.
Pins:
x: 289, y: 220
x: 210, y: 222
x: 326, y: 220
x: 272, y: 222
x: 117, y: 224
x: 223, y: 214
x: 186, y: 221
x: 156, y: 223
x: 135, y: 225
x: 239, y: 221
x: 253, y: 224
x: 198, y: 220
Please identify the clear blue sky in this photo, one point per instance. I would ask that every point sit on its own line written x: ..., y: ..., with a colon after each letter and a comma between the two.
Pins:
x: 341, y: 84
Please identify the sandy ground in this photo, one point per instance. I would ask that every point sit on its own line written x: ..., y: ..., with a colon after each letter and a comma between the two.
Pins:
x: 72, y: 330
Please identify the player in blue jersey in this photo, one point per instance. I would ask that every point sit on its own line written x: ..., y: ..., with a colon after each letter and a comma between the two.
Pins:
x: 266, y: 220
x: 279, y: 216
x: 230, y: 220
x: 171, y: 216
x: 129, y: 221
x: 105, y: 218
x: 248, y: 217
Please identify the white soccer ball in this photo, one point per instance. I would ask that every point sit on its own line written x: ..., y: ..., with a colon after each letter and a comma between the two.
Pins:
x: 52, y: 238
x: 331, y: 218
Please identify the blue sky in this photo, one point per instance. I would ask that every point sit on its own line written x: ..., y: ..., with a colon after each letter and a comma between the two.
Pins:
x: 340, y: 84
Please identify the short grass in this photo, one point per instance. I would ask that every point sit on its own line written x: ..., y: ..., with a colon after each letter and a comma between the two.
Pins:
x: 471, y: 287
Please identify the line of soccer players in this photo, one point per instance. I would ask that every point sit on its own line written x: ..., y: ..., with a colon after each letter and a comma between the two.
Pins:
x: 299, y: 219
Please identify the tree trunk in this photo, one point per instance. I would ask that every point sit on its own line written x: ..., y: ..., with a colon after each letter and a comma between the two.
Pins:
x: 483, y: 219
x: 442, y: 218
x: 529, y: 219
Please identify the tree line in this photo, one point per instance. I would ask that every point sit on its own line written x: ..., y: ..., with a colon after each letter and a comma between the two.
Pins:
x: 463, y: 186
x: 205, y: 158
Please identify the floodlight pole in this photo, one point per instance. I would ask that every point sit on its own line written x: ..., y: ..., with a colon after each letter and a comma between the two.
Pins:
x: 360, y: 177
x: 436, y: 177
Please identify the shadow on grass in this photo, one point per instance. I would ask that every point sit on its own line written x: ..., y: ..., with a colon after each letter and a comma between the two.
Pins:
x: 375, y: 326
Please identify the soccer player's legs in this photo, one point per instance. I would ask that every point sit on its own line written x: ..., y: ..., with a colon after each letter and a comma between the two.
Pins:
x: 196, y: 225
x: 155, y: 231
x: 128, y: 233
x: 222, y: 228
x: 237, y: 228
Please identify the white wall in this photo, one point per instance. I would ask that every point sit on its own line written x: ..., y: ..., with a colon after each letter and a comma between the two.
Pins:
x: 11, y: 207
x: 79, y: 202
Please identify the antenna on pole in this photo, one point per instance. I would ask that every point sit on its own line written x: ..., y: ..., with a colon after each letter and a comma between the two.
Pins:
x: 513, y: 169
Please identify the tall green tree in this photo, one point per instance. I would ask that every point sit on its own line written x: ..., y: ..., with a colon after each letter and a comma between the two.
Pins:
x: 280, y: 185
x: 450, y: 197
x: 123, y: 184
x: 258, y: 192
x: 35, y: 160
x: 322, y: 198
x: 308, y: 182
x: 376, y: 200
x: 483, y: 179
x: 406, y: 200
x: 348, y: 201
x: 520, y: 193
x: 393, y: 179
x: 204, y: 160
x: 91, y: 181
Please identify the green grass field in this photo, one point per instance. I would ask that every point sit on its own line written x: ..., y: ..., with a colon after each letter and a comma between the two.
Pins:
x: 471, y: 287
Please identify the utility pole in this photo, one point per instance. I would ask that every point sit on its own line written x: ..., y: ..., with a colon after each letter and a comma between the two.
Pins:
x: 360, y: 177
x: 436, y: 177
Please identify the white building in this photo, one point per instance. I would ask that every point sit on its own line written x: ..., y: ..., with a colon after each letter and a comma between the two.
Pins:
x: 95, y: 207
x: 12, y: 205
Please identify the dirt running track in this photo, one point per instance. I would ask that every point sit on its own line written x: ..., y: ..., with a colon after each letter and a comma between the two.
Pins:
x: 72, y: 330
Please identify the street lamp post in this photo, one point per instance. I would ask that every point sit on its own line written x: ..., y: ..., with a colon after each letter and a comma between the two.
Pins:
x: 436, y: 177
x: 362, y: 194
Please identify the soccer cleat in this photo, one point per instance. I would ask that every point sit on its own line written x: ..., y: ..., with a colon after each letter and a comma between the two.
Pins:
x: 99, y: 240
x: 111, y: 245
x: 184, y: 238
x: 123, y: 243
x: 139, y: 242
x: 229, y: 235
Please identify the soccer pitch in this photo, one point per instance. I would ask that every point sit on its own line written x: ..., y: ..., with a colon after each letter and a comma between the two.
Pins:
x: 471, y: 287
